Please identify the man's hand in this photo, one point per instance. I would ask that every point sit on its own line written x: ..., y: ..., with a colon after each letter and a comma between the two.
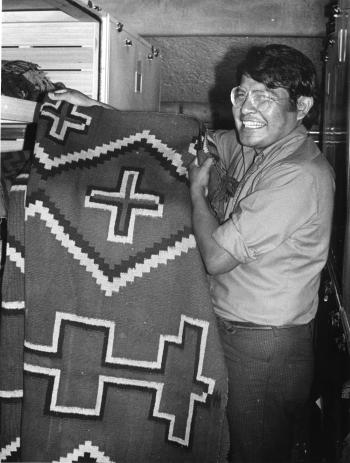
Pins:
x: 199, y: 177
x: 76, y: 98
x: 72, y: 96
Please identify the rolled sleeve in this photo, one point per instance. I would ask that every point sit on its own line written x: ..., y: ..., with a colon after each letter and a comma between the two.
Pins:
x: 228, y: 237
x: 284, y: 199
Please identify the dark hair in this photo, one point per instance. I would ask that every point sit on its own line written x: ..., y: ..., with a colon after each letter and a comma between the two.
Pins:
x: 277, y: 65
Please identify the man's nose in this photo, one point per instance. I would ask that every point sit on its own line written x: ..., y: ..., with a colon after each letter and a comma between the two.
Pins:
x: 248, y: 105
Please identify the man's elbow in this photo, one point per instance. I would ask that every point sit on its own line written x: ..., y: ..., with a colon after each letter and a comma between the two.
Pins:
x: 216, y: 266
x: 213, y: 269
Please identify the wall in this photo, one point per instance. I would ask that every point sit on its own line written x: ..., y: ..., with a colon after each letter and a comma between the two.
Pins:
x: 201, y: 41
x: 225, y: 17
x: 203, y: 69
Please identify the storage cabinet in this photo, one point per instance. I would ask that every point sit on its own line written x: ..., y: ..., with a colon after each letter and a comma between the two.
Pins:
x: 67, y: 51
x: 333, y: 321
x: 335, y: 145
x: 78, y: 44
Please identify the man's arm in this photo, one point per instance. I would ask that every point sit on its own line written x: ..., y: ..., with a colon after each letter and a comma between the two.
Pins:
x: 216, y: 259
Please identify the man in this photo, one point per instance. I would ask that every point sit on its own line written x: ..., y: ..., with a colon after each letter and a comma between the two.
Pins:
x: 266, y: 253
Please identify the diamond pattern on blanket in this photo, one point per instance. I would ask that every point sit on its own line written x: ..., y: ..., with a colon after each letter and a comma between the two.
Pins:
x: 85, y: 453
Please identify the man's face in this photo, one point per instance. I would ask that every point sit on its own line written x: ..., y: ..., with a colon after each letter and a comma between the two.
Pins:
x: 260, y: 128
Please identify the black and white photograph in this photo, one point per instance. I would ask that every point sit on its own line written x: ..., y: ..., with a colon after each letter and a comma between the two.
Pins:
x: 175, y: 231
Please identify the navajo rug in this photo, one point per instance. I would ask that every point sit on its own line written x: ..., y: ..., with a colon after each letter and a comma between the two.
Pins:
x: 109, y: 350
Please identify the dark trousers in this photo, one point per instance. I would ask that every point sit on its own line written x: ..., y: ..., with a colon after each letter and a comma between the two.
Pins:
x: 270, y: 373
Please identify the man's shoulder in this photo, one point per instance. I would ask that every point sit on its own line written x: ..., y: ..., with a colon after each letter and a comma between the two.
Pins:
x: 310, y: 157
x: 308, y: 161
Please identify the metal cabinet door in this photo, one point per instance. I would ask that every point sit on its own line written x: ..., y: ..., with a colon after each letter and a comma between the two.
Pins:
x: 131, y: 69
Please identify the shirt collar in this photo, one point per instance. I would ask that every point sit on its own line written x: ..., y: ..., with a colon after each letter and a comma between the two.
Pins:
x: 284, y: 146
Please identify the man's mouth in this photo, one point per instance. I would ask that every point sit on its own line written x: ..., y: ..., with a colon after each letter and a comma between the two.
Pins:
x: 253, y: 124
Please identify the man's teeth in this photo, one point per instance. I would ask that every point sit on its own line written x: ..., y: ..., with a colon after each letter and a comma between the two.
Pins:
x: 253, y: 124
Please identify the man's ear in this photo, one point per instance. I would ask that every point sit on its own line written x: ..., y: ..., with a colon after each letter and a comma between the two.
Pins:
x: 304, y: 104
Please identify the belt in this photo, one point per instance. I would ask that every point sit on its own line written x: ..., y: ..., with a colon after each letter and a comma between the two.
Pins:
x: 255, y: 326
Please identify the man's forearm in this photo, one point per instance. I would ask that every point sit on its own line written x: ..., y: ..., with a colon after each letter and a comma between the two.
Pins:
x: 215, y: 258
x: 204, y: 224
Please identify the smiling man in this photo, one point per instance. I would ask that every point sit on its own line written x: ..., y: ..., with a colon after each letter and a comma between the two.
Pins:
x: 265, y: 247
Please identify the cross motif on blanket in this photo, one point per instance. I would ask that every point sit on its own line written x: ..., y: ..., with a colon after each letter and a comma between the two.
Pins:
x: 125, y: 203
x: 58, y: 127
x: 108, y: 370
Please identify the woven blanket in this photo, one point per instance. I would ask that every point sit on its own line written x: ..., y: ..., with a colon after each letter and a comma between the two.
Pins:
x: 109, y: 350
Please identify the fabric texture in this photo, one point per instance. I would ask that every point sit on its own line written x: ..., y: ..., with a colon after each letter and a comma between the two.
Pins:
x: 109, y: 349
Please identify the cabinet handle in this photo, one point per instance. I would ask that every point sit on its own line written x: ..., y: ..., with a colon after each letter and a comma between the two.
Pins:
x: 93, y: 6
x: 155, y: 51
x: 343, y: 33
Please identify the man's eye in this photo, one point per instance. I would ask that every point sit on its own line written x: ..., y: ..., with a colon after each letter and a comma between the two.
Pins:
x: 263, y: 96
x: 241, y: 95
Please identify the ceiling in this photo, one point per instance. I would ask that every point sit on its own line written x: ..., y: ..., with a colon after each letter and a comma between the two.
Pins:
x: 300, y: 18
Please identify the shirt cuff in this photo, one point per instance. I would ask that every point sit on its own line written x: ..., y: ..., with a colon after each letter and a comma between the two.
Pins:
x: 228, y: 237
